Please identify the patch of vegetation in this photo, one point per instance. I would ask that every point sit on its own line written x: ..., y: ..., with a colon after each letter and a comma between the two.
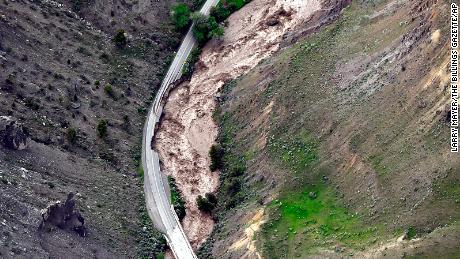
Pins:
x: 72, y: 135
x: 120, y: 39
x: 207, y: 203
x: 108, y: 89
x: 189, y: 65
x: 298, y: 153
x: 32, y: 103
x: 232, y: 173
x: 104, y: 57
x: 313, y: 218
x: 217, y: 154
x: 378, y: 165
x: 151, y: 243
x: 177, y: 200
x: 411, y: 233
x: 138, y: 48
x: 140, y: 171
x: 108, y: 156
x: 205, y: 28
x: 180, y: 15
x: 231, y: 163
x: 78, y: 5
x: 197, y: 4
x: 84, y: 51
x: 226, y: 7
x: 102, y: 129
x: 142, y: 110
x: 233, y: 167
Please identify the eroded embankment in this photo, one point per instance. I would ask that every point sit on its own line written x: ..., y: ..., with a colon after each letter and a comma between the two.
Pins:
x: 188, y: 130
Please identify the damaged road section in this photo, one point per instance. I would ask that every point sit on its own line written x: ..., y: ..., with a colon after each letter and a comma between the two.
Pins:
x: 155, y: 183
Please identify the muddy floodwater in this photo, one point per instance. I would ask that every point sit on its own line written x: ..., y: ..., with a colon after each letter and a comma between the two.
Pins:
x: 188, y: 130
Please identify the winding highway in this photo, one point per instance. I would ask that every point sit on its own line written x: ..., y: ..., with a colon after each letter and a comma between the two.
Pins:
x: 156, y: 185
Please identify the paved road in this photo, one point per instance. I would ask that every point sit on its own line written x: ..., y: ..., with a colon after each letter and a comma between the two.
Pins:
x: 156, y: 186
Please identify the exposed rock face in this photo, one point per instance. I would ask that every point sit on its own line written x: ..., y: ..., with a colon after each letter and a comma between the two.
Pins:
x: 13, y: 135
x: 64, y: 216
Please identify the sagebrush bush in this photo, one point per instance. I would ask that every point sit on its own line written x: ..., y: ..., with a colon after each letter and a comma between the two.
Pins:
x: 216, y: 153
x: 72, y: 135
x: 102, y: 129
x: 120, y: 38
x: 108, y: 89
x: 204, y: 204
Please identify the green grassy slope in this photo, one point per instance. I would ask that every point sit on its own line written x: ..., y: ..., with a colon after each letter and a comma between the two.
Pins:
x: 343, y: 136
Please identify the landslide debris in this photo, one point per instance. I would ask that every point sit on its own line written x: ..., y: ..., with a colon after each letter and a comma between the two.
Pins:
x: 187, y: 130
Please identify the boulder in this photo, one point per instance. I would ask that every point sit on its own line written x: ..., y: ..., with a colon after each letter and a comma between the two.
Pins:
x: 272, y: 21
x: 13, y: 135
x: 64, y: 215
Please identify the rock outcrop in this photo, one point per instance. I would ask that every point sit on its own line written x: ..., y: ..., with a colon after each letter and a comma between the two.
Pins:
x: 13, y: 135
x: 64, y: 216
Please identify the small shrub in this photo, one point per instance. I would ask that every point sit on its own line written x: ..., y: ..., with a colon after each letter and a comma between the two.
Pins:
x: 238, y: 170
x: 51, y: 185
x: 177, y: 200
x: 108, y: 156
x: 32, y: 103
x: 126, y: 122
x: 180, y: 15
x: 9, y: 83
x: 102, y: 129
x: 232, y: 186
x: 142, y: 110
x: 104, y: 57
x: 78, y: 5
x: 84, y: 51
x: 191, y: 60
x: 211, y: 198
x: 411, y: 233
x: 204, y: 204
x: 72, y: 135
x: 216, y: 153
x: 108, y: 89
x: 120, y: 39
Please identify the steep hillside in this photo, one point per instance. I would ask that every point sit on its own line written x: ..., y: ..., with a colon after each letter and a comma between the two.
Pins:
x: 79, y: 87
x: 338, y: 145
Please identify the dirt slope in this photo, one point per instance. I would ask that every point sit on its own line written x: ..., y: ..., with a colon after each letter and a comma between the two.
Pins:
x: 346, y: 142
x: 60, y: 76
